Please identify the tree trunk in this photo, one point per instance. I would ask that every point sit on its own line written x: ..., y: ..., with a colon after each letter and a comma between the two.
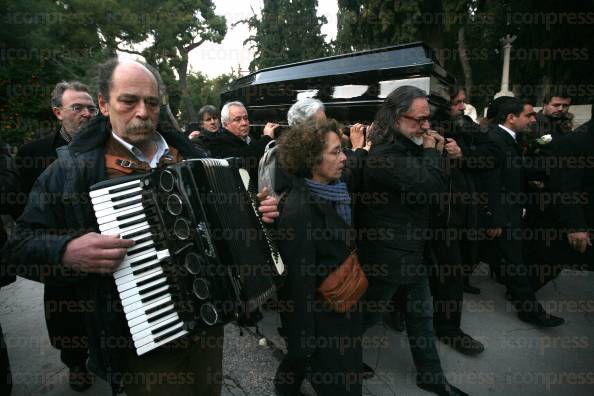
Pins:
x: 464, y: 61
x: 182, y: 71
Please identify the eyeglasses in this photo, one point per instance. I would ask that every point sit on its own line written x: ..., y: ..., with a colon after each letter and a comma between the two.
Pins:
x: 336, y: 152
x: 79, y: 108
x: 420, y: 121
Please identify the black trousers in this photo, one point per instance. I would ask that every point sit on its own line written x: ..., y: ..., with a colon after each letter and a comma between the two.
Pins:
x: 514, y: 272
x: 456, y: 259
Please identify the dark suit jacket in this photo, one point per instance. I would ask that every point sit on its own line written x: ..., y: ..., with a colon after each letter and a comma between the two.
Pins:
x: 574, y: 176
x: 506, y: 182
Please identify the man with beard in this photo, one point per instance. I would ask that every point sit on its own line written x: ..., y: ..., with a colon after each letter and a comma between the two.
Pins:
x: 74, y: 108
x: 405, y: 165
x: 554, y: 119
x: 506, y: 185
x: 455, y: 226
x: 57, y: 236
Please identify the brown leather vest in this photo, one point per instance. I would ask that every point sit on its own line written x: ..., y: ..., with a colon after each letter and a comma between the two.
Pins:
x: 119, y: 161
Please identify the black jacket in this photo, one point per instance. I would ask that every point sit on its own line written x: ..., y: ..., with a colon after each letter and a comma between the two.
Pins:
x: 313, y: 241
x: 402, y: 180
x: 33, y: 158
x: 59, y: 210
x: 226, y: 144
x: 573, y: 177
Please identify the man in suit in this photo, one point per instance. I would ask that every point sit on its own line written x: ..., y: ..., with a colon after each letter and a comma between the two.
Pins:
x: 506, y: 185
x: 74, y: 108
x: 235, y: 140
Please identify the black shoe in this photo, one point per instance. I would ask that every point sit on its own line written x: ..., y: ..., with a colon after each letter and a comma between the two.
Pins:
x: 541, y: 319
x: 471, y: 289
x: 445, y: 389
x: 80, y: 379
x: 368, y: 372
x: 463, y: 343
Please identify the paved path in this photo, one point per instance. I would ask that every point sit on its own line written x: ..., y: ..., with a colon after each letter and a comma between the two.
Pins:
x: 519, y: 359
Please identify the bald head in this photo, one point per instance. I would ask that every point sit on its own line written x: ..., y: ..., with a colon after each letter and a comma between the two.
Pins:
x: 129, y: 97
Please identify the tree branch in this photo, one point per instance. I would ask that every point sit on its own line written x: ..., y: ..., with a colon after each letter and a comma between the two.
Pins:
x: 128, y: 51
x: 193, y: 45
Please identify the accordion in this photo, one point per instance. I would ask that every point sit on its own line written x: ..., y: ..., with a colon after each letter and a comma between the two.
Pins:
x: 201, y: 256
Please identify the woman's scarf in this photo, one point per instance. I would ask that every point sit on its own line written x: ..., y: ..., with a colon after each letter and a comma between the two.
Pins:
x: 336, y: 193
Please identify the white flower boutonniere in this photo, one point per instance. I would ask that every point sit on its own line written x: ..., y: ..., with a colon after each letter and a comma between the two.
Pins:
x: 544, y: 139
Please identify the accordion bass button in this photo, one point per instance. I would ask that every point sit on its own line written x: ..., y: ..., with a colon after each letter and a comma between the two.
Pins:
x: 181, y: 229
x: 209, y: 314
x: 194, y: 263
x: 167, y: 180
x: 201, y: 288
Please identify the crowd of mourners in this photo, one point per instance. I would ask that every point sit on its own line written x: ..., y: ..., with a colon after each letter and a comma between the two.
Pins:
x: 409, y: 204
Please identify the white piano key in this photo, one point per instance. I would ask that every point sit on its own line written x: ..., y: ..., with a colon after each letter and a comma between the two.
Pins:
x: 151, y: 337
x: 137, y: 289
x: 107, y: 207
x: 149, y: 347
x: 132, y: 305
x: 117, y: 213
x: 139, y: 315
x: 125, y: 234
x: 110, y: 197
x: 125, y: 282
x: 143, y: 327
x: 120, y: 225
x: 139, y: 334
x: 127, y: 270
x: 103, y: 191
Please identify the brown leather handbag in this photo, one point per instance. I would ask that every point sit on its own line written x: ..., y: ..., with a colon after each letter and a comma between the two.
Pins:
x: 345, y: 285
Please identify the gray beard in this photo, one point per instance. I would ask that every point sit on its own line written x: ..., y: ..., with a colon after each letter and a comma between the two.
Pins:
x: 418, y: 140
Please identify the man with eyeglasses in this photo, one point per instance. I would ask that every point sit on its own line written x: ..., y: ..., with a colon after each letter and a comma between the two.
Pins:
x: 406, y: 167
x: 554, y: 119
x: 74, y: 108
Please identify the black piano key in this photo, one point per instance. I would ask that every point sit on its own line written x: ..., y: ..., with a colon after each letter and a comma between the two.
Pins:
x: 149, y: 280
x: 134, y: 249
x: 154, y: 296
x: 162, y: 315
x: 168, y: 334
x: 158, y: 307
x: 154, y: 287
x: 166, y: 326
x: 146, y: 269
x: 125, y: 196
x: 131, y: 223
x: 137, y: 233
x: 120, y: 189
x: 123, y: 205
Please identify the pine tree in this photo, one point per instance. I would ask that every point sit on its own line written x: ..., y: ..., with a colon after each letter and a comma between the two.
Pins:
x: 288, y: 31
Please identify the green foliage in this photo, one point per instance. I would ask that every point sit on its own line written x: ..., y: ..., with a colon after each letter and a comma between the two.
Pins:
x: 288, y: 31
x: 41, y: 43
x: 554, y: 43
x: 204, y: 91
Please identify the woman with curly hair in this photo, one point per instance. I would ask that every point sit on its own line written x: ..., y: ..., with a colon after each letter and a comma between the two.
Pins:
x: 317, y: 220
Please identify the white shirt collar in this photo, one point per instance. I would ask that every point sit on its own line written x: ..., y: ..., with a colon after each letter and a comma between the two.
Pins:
x: 162, y: 149
x: 506, y: 129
